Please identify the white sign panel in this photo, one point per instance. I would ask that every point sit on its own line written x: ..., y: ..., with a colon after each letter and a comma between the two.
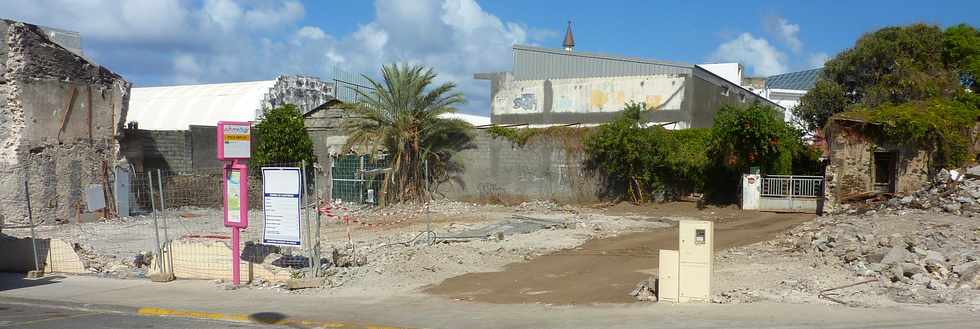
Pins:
x: 281, y: 188
x: 237, y: 139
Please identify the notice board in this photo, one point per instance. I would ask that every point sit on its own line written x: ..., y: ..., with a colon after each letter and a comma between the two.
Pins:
x: 282, y: 191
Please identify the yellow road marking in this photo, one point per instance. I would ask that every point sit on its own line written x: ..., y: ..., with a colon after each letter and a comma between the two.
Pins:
x: 155, y: 311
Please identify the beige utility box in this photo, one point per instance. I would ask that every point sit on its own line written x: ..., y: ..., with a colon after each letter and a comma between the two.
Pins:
x: 696, y: 251
x: 667, y: 283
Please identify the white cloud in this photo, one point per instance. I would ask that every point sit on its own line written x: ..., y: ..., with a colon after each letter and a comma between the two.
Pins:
x: 817, y: 60
x: 184, y: 41
x: 311, y: 32
x: 785, y: 32
x: 755, y: 53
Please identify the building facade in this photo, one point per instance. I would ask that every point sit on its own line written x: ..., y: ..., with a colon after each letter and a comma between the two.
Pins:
x: 560, y: 87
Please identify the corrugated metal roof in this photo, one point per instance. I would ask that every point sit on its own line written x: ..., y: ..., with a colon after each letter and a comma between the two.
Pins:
x: 475, y: 120
x: 177, y: 107
x: 534, y: 63
x: 802, y: 80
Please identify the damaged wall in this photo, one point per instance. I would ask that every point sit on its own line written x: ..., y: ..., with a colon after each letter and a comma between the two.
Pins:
x: 851, y: 169
x: 500, y: 171
x: 59, y: 122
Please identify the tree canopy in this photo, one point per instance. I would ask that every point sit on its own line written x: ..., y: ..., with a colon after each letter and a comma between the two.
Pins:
x: 281, y: 137
x: 895, y: 65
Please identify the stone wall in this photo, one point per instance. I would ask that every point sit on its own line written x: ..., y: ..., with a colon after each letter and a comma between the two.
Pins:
x: 851, y: 168
x: 59, y: 123
x: 500, y: 171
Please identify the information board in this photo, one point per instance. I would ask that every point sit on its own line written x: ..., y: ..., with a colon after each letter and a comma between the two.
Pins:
x: 236, y: 195
x: 234, y: 140
x: 282, y: 192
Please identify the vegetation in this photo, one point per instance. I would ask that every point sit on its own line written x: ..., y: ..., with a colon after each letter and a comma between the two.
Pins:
x: 401, y: 116
x: 570, y: 137
x: 281, y: 138
x: 943, y: 125
x: 895, y: 65
x: 638, y: 160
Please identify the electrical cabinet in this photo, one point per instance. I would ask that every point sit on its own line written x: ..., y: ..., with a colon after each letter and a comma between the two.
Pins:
x: 696, y: 251
x: 667, y: 282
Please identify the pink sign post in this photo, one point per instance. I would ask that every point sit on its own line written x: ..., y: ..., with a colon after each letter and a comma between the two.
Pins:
x: 234, y: 148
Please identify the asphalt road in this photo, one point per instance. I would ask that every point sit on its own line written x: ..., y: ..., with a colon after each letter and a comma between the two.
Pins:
x: 37, y: 316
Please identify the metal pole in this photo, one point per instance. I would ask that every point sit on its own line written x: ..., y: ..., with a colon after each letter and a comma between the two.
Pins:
x: 156, y: 226
x: 316, y: 243
x: 428, y: 216
x: 30, y: 216
x: 166, y: 237
x: 305, y: 200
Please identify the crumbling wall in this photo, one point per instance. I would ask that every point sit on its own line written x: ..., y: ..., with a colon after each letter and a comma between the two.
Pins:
x: 59, y: 123
x: 500, y: 171
x: 851, y: 168
x: 307, y: 93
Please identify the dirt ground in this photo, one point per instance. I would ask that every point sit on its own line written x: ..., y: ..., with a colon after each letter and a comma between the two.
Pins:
x: 606, y: 270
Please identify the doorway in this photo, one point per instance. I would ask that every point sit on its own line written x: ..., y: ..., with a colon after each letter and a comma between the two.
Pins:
x: 884, y: 171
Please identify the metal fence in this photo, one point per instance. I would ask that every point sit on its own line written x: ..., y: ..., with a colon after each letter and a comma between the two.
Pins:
x: 165, y: 221
x: 792, y: 186
x: 358, y: 178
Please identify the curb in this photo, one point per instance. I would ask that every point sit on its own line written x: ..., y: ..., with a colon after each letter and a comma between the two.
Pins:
x: 257, y: 318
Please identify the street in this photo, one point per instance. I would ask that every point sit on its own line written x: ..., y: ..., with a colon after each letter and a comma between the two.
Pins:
x: 22, y: 315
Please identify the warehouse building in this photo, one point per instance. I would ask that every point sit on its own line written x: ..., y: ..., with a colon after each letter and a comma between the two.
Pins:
x: 564, y: 86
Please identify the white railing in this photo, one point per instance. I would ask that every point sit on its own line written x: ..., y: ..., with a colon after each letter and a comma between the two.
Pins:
x: 792, y: 186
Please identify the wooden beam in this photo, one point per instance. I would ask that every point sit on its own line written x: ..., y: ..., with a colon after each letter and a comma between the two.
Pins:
x: 68, y: 107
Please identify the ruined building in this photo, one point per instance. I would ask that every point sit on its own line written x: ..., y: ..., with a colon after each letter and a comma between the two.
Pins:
x: 60, y: 116
x: 862, y: 162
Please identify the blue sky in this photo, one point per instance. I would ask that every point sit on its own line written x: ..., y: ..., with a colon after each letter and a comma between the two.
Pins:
x: 165, y: 42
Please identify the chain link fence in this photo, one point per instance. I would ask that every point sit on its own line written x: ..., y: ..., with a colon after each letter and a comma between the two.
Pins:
x: 359, y: 178
x: 160, y: 221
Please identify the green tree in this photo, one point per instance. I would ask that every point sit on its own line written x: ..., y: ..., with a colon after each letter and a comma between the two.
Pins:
x: 637, y: 160
x: 401, y: 115
x: 281, y: 137
x: 961, y: 49
x: 891, y: 65
x: 754, y: 136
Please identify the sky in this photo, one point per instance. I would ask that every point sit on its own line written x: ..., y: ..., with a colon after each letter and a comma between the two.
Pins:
x: 169, y: 42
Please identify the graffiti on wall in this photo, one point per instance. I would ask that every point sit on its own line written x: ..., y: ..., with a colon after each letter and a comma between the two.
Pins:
x: 590, y: 95
x: 526, y: 101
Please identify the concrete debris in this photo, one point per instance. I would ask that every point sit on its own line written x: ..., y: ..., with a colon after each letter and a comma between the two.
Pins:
x: 951, y: 192
x: 646, y: 290
x: 919, y: 256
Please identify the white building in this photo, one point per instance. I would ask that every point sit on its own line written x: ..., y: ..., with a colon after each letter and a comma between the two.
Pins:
x: 786, y: 89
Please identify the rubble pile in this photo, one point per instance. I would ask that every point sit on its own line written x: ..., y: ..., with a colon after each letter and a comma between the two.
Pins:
x: 924, y: 258
x: 646, y: 290
x: 951, y: 192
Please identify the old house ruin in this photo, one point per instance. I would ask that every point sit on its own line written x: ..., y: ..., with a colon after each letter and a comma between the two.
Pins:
x: 60, y: 116
x: 862, y: 162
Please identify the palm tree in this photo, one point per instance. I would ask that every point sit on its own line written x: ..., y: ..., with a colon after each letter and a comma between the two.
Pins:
x: 401, y: 116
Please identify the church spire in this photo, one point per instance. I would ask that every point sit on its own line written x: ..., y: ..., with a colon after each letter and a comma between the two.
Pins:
x: 569, y: 40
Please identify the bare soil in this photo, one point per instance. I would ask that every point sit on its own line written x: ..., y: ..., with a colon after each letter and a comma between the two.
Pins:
x: 605, y: 270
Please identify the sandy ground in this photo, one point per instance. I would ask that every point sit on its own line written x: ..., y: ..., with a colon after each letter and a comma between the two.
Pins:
x: 597, y: 255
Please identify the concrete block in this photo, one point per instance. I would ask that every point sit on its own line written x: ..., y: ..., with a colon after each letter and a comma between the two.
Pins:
x: 162, y: 277
x: 304, y: 283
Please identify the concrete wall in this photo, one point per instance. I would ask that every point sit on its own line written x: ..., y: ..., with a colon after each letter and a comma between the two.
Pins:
x: 171, y: 150
x: 307, y: 93
x: 38, y: 80
x: 586, y: 100
x: 710, y: 93
x: 851, y: 167
x: 498, y: 170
